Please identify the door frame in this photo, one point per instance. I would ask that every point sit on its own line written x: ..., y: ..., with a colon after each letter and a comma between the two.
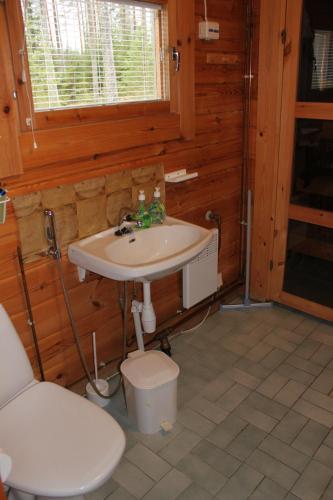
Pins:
x: 286, y: 143
x: 277, y: 110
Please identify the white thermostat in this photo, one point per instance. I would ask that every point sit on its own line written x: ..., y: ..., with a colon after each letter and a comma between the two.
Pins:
x: 209, y: 30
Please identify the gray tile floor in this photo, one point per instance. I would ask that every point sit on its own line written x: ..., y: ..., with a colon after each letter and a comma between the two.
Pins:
x: 255, y: 415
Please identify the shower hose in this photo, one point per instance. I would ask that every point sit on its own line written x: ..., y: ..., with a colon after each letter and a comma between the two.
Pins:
x: 77, y: 338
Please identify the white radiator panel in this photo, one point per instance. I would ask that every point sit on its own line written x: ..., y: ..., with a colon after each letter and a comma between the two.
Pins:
x: 200, y: 276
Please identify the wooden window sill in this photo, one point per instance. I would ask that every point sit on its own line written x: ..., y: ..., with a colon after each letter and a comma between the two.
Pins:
x: 79, y: 116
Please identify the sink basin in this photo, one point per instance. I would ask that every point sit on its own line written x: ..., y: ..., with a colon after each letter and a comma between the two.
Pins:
x: 144, y: 255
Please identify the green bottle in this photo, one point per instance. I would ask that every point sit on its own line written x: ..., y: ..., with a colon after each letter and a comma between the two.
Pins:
x: 142, y: 216
x: 156, y: 208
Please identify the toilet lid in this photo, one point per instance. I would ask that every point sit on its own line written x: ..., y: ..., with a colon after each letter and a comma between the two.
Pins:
x: 60, y: 443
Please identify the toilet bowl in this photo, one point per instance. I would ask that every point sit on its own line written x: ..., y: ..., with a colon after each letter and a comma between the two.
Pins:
x: 61, y: 445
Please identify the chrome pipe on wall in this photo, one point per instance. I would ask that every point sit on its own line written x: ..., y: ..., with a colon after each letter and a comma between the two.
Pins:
x: 31, y: 318
x: 248, y: 89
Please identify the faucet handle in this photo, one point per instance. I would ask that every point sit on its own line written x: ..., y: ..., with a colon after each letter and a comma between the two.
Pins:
x: 128, y: 218
x: 125, y: 215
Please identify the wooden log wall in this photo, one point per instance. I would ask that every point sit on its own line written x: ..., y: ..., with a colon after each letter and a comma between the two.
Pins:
x: 216, y: 153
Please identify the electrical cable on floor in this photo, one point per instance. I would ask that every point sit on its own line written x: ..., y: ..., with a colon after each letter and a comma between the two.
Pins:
x: 217, y: 297
x: 195, y: 327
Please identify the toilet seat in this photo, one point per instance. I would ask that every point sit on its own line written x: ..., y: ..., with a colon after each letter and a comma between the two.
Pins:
x: 60, y: 443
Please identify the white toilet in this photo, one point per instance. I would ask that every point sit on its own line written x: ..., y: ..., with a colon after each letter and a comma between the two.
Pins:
x: 61, y: 445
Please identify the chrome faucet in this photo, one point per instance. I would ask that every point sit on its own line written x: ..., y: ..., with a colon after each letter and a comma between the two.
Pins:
x: 125, y: 215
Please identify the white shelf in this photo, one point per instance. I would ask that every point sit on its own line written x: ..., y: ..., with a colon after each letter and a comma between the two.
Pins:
x: 180, y: 176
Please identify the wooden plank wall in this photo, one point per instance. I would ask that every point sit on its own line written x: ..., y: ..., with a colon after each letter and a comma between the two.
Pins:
x: 216, y: 153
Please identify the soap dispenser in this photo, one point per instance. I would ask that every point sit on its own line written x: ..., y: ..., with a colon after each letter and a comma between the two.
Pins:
x: 157, y: 209
x: 142, y: 216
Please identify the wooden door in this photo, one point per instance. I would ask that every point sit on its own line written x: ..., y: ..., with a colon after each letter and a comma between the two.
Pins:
x: 303, y: 215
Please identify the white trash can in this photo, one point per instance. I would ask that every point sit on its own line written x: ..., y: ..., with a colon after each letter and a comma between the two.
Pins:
x: 150, y: 380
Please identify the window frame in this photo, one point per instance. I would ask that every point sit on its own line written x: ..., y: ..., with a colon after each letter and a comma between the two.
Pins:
x: 77, y: 115
x: 93, y: 140
x: 10, y: 155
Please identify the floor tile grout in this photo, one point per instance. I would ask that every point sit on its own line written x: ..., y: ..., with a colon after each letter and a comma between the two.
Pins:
x: 206, y: 361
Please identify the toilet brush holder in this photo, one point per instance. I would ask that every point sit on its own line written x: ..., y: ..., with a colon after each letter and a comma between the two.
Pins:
x: 103, y: 387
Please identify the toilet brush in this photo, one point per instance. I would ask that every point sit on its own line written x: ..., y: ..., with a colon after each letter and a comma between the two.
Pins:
x: 102, y: 385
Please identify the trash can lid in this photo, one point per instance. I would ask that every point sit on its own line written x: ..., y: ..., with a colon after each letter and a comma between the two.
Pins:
x: 149, y: 369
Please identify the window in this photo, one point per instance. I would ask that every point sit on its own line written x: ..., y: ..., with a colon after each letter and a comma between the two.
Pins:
x: 322, y: 75
x: 315, y: 82
x: 96, y: 76
x: 95, y: 52
x: 309, y: 262
x: 312, y: 184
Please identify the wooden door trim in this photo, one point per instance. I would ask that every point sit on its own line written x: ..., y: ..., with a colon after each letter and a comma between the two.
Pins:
x: 311, y: 215
x: 314, y: 110
x: 272, y: 24
x: 287, y: 134
x: 305, y: 305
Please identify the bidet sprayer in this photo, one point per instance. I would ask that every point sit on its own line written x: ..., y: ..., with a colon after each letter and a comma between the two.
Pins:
x: 51, y: 235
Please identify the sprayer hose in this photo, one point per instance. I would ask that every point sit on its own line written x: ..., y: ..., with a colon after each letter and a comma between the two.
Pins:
x: 77, y: 338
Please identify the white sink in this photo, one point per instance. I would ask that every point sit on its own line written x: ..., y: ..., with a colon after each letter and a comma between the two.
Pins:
x: 144, y: 255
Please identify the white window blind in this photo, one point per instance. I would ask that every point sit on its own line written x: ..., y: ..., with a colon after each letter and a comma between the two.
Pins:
x: 95, y: 52
x: 322, y: 75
